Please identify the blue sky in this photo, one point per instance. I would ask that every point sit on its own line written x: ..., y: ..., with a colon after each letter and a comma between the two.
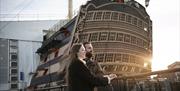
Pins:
x: 164, y: 14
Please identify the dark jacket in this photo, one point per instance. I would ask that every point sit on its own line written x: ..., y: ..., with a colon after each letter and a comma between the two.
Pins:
x: 81, y: 79
x: 94, y: 67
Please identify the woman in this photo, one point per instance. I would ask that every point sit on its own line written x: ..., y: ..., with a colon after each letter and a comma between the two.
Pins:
x: 79, y: 76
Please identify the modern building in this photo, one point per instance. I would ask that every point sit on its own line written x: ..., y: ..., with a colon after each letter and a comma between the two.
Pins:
x: 19, y: 41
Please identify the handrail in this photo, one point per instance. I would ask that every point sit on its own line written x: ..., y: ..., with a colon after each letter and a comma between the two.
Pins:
x: 150, y: 73
x: 53, y: 87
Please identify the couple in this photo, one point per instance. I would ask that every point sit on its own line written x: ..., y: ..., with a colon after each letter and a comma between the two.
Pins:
x: 79, y: 76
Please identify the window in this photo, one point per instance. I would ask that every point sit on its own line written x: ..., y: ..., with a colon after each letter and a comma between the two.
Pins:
x: 140, y: 23
x: 126, y: 38
x: 125, y: 58
x: 112, y: 36
x: 95, y: 45
x: 106, y: 15
x: 109, y: 58
x: 118, y: 57
x: 14, y: 86
x: 99, y: 57
x: 83, y: 37
x: 103, y: 36
x: 13, y: 71
x: 13, y: 56
x: 13, y: 64
x: 89, y: 16
x: 133, y: 40
x: 120, y: 37
x: 98, y: 15
x: 14, y: 78
x: 139, y: 42
x: 13, y: 49
x: 134, y: 21
x: 122, y: 17
x: 128, y: 18
x: 14, y: 43
x: 114, y: 16
x: 93, y: 37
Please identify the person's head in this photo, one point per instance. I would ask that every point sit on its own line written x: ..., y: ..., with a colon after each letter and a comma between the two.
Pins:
x: 89, y: 49
x: 78, y: 51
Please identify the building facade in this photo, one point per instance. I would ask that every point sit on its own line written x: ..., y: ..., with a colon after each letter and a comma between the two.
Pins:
x: 4, y: 65
x: 19, y: 41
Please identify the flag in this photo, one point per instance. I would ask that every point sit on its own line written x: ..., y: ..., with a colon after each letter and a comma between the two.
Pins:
x: 147, y: 3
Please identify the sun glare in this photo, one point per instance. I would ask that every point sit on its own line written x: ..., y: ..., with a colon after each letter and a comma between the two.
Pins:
x: 161, y: 63
x: 158, y: 65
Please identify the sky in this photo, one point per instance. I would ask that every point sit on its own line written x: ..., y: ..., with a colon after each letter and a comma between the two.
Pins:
x: 164, y: 14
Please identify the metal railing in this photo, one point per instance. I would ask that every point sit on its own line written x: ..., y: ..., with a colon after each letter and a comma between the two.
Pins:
x: 163, y: 80
x: 54, y: 88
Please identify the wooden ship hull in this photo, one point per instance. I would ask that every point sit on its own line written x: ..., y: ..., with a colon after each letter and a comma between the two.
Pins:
x: 120, y: 32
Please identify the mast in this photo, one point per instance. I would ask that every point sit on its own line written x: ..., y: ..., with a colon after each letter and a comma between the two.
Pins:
x: 70, y: 9
x: 147, y: 3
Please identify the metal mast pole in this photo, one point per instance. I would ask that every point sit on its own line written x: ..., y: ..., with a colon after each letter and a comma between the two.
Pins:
x: 70, y: 9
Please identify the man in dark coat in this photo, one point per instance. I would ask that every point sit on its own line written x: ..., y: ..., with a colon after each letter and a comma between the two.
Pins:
x: 93, y: 66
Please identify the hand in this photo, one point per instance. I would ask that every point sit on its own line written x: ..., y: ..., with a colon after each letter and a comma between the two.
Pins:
x: 105, y: 75
x: 112, y: 76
